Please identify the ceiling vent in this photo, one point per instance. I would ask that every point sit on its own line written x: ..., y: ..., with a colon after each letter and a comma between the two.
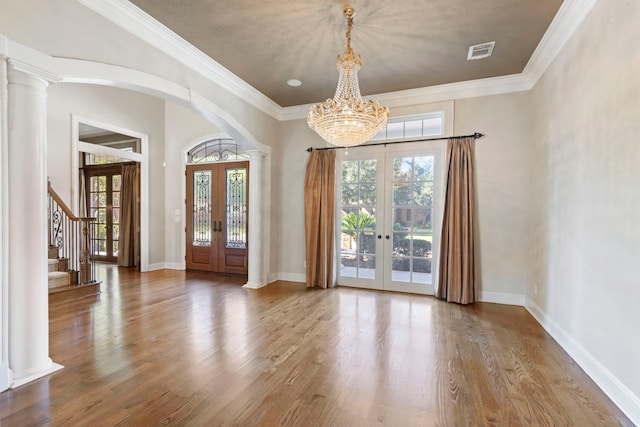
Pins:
x: 482, y: 50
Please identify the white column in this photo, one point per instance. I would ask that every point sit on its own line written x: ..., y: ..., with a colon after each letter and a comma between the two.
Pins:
x: 256, y: 277
x: 27, y: 176
x: 5, y: 373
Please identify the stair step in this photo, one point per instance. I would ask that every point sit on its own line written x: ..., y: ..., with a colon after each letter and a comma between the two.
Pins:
x: 52, y: 265
x: 58, y: 279
x: 53, y: 252
x: 72, y: 292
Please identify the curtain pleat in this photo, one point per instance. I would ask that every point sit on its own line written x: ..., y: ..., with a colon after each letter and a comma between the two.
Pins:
x: 319, y: 218
x: 458, y: 272
x: 128, y: 241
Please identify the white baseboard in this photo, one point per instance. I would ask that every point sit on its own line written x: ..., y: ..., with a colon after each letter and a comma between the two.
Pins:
x: 287, y: 277
x: 174, y: 265
x: 501, y: 298
x: 6, y: 378
x: 54, y: 367
x: 255, y: 285
x: 156, y: 266
x: 624, y: 398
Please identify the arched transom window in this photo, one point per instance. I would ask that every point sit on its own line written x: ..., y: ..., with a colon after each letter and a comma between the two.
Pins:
x: 217, y: 150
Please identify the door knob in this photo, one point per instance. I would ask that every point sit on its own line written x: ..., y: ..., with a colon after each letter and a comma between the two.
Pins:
x: 379, y: 236
x: 386, y: 237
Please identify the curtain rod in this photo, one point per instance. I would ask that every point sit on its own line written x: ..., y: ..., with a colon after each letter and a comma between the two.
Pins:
x: 476, y: 135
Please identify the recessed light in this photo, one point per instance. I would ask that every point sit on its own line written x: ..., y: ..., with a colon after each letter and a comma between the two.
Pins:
x: 294, y: 82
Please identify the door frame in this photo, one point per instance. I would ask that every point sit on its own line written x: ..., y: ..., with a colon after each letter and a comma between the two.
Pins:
x: 383, y: 246
x: 219, y: 189
x: 259, y: 215
x: 104, y: 170
x: 78, y: 146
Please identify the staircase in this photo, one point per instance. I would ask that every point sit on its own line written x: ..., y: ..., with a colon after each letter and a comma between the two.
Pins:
x: 71, y: 267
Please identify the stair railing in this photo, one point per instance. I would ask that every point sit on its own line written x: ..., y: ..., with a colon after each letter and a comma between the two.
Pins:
x: 72, y: 237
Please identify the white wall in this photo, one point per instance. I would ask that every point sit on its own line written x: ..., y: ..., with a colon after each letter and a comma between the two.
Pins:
x: 182, y: 128
x: 504, y: 176
x: 117, y: 107
x: 586, y: 231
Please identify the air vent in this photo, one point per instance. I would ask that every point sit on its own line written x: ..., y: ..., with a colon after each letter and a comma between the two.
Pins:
x: 482, y: 50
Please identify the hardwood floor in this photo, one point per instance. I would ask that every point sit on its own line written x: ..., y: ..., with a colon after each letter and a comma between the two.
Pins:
x: 195, y: 349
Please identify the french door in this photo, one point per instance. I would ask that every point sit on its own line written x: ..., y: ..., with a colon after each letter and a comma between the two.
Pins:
x: 217, y: 226
x: 388, y: 217
x: 103, y: 202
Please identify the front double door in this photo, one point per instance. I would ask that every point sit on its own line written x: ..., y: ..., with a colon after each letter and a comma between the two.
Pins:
x: 389, y: 204
x: 217, y: 225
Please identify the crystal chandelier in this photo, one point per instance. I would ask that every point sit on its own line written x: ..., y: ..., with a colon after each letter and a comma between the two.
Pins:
x: 347, y: 119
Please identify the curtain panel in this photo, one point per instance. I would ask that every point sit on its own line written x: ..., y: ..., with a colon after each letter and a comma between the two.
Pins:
x: 129, y: 236
x: 319, y: 218
x: 458, y: 268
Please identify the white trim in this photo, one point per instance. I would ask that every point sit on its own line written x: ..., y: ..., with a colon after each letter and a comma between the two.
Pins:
x: 501, y: 298
x: 175, y: 265
x: 253, y: 285
x: 109, y: 151
x: 624, y: 398
x: 564, y: 24
x: 54, y: 367
x: 157, y: 266
x: 28, y: 60
x: 5, y: 372
x: 432, y: 94
x: 142, y: 158
x: 287, y: 277
x: 89, y: 72
x: 132, y: 19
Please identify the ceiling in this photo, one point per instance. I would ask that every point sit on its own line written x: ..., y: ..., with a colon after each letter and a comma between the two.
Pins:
x: 404, y: 44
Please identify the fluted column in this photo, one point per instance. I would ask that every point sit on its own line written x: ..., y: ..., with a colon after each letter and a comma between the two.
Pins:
x: 27, y: 176
x: 256, y: 276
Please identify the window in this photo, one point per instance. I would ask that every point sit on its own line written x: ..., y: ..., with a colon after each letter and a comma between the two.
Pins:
x: 426, y: 125
x: 216, y: 150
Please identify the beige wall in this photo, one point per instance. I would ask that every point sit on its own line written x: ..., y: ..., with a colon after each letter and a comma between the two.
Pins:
x: 504, y: 173
x: 586, y: 234
x: 504, y: 177
x: 288, y: 166
x: 120, y: 108
x: 182, y: 128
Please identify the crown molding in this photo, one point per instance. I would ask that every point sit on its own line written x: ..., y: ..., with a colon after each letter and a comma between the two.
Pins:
x: 431, y: 94
x: 564, y: 24
x: 135, y: 21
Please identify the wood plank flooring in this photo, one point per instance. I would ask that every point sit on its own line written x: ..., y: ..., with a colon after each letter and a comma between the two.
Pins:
x: 195, y: 349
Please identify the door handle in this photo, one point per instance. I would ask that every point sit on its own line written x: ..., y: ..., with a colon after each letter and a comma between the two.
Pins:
x: 379, y: 236
x: 220, y: 226
x: 386, y: 237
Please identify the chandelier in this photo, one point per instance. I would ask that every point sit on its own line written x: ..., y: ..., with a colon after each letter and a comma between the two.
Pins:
x: 347, y: 119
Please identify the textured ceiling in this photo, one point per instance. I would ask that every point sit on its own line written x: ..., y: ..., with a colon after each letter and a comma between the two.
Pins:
x: 404, y: 44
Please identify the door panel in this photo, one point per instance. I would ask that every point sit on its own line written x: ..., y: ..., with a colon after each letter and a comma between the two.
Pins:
x: 103, y: 199
x: 387, y: 216
x: 217, y: 208
x: 360, y: 241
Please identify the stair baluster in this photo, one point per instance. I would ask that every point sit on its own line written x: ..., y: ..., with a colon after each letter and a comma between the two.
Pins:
x: 71, y: 236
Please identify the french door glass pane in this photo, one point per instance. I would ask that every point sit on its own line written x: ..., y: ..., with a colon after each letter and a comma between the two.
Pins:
x: 358, y: 219
x: 236, y: 180
x: 412, y: 205
x: 201, y: 208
